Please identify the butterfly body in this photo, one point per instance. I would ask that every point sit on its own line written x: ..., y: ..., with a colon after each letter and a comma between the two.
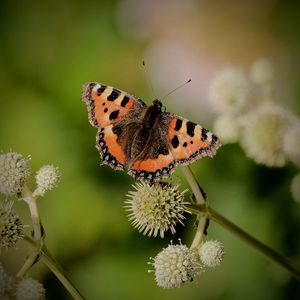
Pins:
x: 143, y: 139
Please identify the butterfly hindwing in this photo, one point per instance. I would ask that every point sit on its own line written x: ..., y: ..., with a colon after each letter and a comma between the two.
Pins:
x: 183, y: 142
x: 110, y: 150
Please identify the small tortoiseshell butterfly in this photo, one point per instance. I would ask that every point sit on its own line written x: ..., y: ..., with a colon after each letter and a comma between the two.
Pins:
x: 143, y: 139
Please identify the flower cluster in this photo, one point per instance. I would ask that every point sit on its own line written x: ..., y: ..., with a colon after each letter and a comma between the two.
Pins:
x: 19, y: 289
x: 178, y: 264
x: 268, y: 133
x: 14, y: 175
x: 157, y: 208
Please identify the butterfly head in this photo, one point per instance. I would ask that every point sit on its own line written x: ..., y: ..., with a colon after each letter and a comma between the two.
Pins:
x: 157, y: 105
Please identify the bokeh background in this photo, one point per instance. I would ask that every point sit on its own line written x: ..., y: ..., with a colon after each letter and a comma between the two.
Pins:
x: 49, y: 50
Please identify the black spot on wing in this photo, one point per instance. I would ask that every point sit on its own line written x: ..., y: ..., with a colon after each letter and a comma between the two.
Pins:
x: 204, y: 134
x: 124, y: 101
x: 214, y: 139
x: 113, y: 115
x: 175, y: 141
x: 178, y: 124
x: 113, y: 95
x: 190, y: 128
x: 184, y: 144
x: 105, y: 109
x: 100, y: 90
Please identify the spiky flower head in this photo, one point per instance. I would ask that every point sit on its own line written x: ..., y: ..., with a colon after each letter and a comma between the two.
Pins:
x: 47, y: 178
x: 155, y: 208
x: 211, y: 253
x: 229, y: 90
x: 14, y: 172
x: 175, y: 265
x: 263, y: 134
x: 292, y: 142
x: 226, y: 127
x: 11, y: 227
x: 30, y: 289
x: 262, y: 71
x: 295, y: 188
x: 6, y: 284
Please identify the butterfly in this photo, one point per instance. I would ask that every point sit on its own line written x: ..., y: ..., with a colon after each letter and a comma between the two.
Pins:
x: 145, y: 140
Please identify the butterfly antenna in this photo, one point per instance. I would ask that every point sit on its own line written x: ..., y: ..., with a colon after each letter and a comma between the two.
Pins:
x: 149, y: 82
x: 179, y: 87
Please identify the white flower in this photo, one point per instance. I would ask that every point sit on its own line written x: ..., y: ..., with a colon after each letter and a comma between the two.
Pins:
x: 175, y: 265
x: 263, y: 134
x: 295, y: 188
x: 291, y: 145
x: 46, y: 179
x: 155, y: 208
x: 262, y: 71
x: 14, y: 172
x: 229, y: 90
x: 211, y: 253
x: 30, y: 289
x: 11, y: 227
x: 226, y: 127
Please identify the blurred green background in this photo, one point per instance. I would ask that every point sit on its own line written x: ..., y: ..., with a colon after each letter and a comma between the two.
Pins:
x: 49, y: 50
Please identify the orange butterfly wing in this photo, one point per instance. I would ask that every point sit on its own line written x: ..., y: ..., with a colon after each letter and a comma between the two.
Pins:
x: 186, y: 142
x: 189, y: 141
x: 106, y: 107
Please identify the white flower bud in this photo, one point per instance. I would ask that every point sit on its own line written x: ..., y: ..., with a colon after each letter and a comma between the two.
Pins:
x: 11, y: 227
x: 211, y: 253
x: 155, y: 208
x: 14, y: 172
x: 30, y: 289
x: 229, y: 90
x: 262, y: 71
x: 263, y: 133
x: 175, y: 265
x: 292, y: 142
x: 47, y: 178
x: 226, y: 127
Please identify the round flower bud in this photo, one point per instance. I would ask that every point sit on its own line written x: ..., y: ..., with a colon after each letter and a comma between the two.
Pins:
x: 229, y: 90
x: 47, y: 178
x: 262, y: 71
x: 295, y: 188
x: 263, y: 133
x: 227, y: 128
x: 155, y: 208
x: 211, y: 253
x: 30, y: 289
x: 14, y: 172
x: 11, y: 227
x: 175, y: 265
x: 292, y: 142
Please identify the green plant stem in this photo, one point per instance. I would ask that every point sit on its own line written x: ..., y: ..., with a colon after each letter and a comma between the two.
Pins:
x: 201, y: 200
x: 37, y: 230
x: 35, y: 216
x: 261, y: 247
x: 55, y: 267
